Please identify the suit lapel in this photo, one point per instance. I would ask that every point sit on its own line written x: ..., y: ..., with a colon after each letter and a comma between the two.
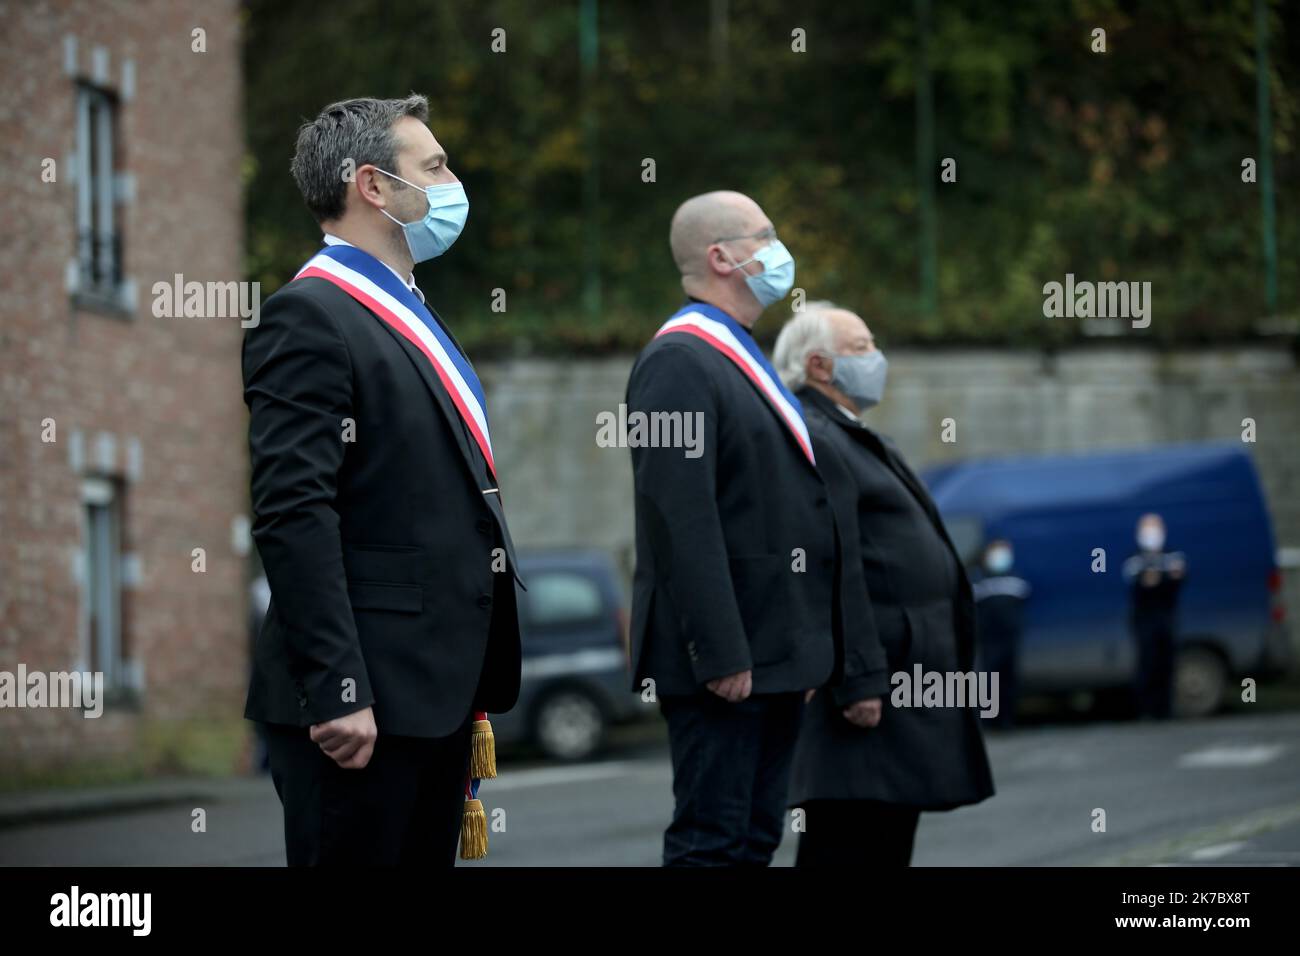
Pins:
x: 447, y: 331
x: 767, y: 403
x: 473, y: 458
x: 893, y: 461
x: 440, y: 396
x: 908, y: 477
x: 914, y: 484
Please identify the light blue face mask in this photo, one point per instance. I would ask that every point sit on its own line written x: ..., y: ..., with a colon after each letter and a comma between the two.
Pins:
x: 861, y: 377
x: 433, y: 235
x: 999, y: 560
x: 777, y: 278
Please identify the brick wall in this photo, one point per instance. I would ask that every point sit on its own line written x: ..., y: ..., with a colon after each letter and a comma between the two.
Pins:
x: 153, y: 403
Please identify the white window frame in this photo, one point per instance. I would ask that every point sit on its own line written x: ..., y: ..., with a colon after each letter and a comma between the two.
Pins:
x: 103, y: 646
x: 97, y: 221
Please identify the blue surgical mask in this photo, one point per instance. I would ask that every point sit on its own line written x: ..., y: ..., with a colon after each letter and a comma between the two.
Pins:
x: 998, y: 560
x: 861, y: 377
x: 1151, y: 538
x: 433, y: 235
x: 777, y: 278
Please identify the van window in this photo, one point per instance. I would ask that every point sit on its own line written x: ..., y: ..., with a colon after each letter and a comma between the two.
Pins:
x: 557, y: 598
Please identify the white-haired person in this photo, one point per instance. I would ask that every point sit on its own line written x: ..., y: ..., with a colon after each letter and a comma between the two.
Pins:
x: 863, y: 769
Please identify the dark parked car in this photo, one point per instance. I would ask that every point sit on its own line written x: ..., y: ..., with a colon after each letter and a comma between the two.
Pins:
x: 574, y: 632
x: 1057, y: 510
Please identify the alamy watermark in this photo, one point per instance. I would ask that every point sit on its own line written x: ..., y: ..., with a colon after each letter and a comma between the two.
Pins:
x: 922, y: 688
x: 638, y: 429
x: 74, y: 908
x: 76, y: 689
x: 1098, y: 300
x: 208, y: 300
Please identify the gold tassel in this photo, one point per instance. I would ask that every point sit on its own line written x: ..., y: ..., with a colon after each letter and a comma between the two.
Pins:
x: 483, y: 756
x: 473, y: 831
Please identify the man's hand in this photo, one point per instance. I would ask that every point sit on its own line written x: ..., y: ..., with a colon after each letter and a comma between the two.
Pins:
x: 863, y: 713
x: 734, y: 687
x: 349, y: 740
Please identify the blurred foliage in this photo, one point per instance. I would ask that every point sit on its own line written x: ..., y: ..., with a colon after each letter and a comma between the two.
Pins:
x: 1117, y: 166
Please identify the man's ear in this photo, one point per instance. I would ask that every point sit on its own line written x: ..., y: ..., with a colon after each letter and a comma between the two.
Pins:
x: 367, y: 184
x: 818, y: 363
x: 717, y: 260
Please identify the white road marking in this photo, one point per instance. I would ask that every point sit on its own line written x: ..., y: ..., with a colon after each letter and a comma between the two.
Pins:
x: 1243, y: 755
x: 1225, y: 864
x: 1056, y: 758
x: 579, y: 773
x: 1217, y: 850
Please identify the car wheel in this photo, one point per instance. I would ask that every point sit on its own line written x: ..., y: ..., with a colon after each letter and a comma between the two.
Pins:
x: 1200, y: 680
x: 570, y: 725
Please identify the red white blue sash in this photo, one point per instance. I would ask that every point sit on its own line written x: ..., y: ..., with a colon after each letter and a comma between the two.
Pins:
x: 376, y: 287
x: 729, y: 337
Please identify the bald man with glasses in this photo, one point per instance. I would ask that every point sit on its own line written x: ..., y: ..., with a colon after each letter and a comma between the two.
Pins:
x: 733, y: 597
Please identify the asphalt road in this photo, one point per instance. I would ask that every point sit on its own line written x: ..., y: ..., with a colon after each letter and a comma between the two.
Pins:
x: 1205, y: 793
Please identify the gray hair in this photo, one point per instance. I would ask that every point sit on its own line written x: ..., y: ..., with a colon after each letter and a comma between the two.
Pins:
x: 807, y: 331
x: 359, y: 130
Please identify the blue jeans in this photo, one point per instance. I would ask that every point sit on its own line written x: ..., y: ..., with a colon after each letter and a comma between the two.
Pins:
x: 731, y: 771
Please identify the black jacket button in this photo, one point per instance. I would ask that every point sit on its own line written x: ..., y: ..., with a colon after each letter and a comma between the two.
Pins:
x: 484, y: 601
x: 484, y: 525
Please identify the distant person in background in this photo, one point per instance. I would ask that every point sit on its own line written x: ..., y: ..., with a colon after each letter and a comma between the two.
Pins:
x: 999, y: 612
x: 864, y: 770
x: 259, y: 601
x: 1155, y: 576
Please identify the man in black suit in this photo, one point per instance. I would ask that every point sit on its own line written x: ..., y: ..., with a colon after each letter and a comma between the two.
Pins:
x: 864, y: 771
x: 392, y: 616
x: 732, y: 605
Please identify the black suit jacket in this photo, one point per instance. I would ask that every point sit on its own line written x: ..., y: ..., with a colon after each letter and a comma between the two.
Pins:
x: 381, y: 551
x: 907, y: 601
x: 719, y: 587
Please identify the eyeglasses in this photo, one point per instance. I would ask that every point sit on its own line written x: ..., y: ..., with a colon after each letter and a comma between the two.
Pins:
x: 768, y: 233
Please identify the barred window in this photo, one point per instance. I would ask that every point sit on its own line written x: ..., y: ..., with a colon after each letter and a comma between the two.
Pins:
x: 99, y: 241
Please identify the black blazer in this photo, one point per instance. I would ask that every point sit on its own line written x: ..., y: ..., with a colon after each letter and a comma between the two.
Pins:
x: 719, y: 587
x: 907, y: 600
x: 380, y: 550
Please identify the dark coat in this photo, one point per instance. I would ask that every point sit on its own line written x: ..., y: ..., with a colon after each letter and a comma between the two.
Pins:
x: 717, y: 588
x: 906, y: 600
x: 379, y: 550
x: 999, y: 609
x: 1154, y: 586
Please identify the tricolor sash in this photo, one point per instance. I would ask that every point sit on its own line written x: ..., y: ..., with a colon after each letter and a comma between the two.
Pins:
x: 729, y: 337
x: 376, y: 287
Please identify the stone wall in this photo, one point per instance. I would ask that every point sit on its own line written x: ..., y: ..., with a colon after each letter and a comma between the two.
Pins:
x: 561, y: 489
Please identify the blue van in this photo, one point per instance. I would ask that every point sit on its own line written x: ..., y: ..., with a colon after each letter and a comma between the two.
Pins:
x: 1058, y: 510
